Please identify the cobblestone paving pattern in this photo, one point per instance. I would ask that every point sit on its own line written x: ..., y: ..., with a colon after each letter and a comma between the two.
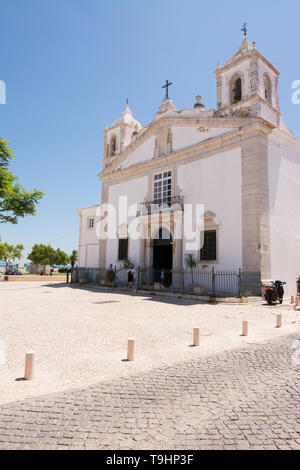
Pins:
x: 245, y: 399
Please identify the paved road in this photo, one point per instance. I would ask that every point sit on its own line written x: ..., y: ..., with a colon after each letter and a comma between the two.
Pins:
x: 236, y: 400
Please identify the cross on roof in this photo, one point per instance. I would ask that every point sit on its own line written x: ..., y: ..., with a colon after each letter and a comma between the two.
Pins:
x: 166, y: 86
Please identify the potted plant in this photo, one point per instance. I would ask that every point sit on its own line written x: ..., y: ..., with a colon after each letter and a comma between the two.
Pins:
x: 110, y: 277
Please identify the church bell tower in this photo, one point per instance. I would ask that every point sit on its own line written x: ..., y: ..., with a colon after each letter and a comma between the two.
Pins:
x: 247, y: 84
x: 119, y: 135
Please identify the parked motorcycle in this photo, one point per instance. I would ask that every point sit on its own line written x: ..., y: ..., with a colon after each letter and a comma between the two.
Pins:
x: 274, y: 292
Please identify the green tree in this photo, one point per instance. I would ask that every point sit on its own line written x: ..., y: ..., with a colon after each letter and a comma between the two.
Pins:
x: 73, y: 259
x: 9, y: 253
x: 15, y: 201
x: 60, y: 257
x: 45, y: 255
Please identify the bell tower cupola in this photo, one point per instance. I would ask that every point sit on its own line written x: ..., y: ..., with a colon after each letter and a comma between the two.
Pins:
x: 120, y: 134
x: 247, y: 84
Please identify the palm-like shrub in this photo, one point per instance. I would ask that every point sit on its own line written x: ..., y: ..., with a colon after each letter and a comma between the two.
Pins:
x: 191, y: 264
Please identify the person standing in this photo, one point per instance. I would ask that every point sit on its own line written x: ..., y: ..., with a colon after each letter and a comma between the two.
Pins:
x: 129, y: 277
x: 130, y: 274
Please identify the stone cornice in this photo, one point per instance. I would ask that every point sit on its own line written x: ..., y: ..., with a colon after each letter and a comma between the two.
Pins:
x: 79, y: 211
x: 253, y: 53
x: 255, y: 125
x: 249, y: 100
x: 284, y: 134
x: 118, y: 125
x: 217, y: 122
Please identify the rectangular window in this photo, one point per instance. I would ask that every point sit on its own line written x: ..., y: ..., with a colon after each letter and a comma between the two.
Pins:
x: 163, y: 187
x: 209, y: 249
x: 123, y: 249
x: 91, y: 223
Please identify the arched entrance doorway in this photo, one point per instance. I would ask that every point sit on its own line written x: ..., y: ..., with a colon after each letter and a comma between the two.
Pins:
x: 163, y: 255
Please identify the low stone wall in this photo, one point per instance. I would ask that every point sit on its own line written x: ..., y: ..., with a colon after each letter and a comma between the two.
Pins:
x: 34, y: 278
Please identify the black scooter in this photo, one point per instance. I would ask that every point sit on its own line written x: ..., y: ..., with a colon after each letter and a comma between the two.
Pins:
x: 274, y: 292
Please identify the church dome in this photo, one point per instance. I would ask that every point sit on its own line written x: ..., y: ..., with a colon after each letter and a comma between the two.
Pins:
x: 127, y: 118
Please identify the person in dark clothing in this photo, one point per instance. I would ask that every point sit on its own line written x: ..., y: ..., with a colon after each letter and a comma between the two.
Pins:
x: 130, y: 274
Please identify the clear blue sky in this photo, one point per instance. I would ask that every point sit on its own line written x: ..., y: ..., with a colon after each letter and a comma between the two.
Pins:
x: 69, y: 66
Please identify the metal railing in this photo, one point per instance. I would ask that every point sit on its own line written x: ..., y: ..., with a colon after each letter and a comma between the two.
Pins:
x: 212, y: 283
x: 167, y: 204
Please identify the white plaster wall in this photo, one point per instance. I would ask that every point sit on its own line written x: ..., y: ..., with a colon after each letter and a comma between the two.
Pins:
x: 88, y: 248
x: 284, y: 194
x: 92, y: 255
x: 136, y: 191
x: 216, y: 182
x: 142, y: 154
x: 186, y: 136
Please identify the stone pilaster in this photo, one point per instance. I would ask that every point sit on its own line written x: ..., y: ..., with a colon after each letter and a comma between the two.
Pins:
x: 254, y: 77
x: 255, y: 209
x: 219, y: 92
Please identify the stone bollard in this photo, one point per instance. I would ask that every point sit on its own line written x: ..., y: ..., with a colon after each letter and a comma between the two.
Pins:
x: 130, y: 349
x: 292, y: 299
x: 196, y: 336
x: 278, y: 321
x: 245, y: 328
x: 29, y: 366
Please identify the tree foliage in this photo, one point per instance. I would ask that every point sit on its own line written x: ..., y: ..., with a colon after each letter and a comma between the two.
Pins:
x: 190, y: 262
x: 73, y: 258
x: 9, y: 253
x: 15, y: 201
x: 46, y: 255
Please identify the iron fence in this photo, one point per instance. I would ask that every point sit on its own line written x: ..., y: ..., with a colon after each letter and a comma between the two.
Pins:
x: 212, y: 283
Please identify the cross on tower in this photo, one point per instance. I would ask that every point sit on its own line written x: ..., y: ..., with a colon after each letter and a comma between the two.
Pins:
x: 244, y: 29
x: 166, y: 86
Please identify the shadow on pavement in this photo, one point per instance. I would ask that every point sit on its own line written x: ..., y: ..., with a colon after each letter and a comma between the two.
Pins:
x: 155, y: 297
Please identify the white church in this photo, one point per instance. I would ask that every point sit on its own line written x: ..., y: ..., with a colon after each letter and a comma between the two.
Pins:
x: 239, y: 161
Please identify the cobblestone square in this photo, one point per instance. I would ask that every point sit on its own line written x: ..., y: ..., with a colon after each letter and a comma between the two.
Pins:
x: 232, y: 392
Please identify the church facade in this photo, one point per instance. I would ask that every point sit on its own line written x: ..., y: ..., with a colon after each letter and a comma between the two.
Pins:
x: 237, y: 168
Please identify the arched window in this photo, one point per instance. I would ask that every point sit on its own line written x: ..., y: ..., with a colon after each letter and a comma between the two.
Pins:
x: 267, y: 89
x: 236, y: 89
x: 113, y: 145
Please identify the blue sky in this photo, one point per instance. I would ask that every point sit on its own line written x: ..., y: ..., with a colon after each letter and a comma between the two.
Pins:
x: 69, y: 66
